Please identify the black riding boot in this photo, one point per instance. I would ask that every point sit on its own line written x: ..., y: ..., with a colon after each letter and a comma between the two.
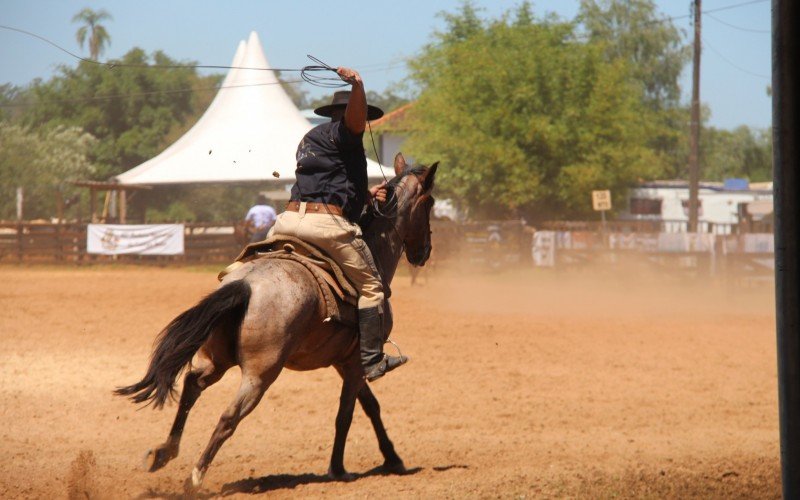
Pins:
x: 370, y: 328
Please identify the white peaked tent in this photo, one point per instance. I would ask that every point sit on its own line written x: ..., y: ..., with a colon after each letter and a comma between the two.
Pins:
x: 250, y: 130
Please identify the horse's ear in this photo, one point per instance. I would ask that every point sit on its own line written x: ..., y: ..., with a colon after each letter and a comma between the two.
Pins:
x: 399, y: 164
x: 427, y: 177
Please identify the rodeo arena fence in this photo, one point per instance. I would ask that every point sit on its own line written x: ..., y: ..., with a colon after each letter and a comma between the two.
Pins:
x: 716, y: 251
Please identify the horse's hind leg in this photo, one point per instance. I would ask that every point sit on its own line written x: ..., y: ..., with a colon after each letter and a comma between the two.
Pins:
x: 352, y: 376
x: 392, y: 462
x: 251, y: 390
x: 207, y: 372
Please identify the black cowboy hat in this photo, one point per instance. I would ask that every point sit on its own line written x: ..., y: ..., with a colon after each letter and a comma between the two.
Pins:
x: 339, y: 100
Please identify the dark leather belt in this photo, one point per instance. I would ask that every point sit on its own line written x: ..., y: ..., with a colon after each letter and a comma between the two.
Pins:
x: 314, y: 207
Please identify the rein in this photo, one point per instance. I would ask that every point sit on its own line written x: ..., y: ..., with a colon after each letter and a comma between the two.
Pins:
x: 377, y: 213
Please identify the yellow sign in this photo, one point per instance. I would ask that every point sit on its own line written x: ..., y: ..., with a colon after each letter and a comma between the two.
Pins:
x: 601, y: 200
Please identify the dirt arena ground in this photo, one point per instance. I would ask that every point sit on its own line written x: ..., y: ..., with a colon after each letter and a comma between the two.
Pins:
x: 524, y: 384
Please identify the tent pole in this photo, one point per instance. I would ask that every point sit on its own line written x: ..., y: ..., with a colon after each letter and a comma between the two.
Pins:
x: 123, y: 206
x: 93, y: 204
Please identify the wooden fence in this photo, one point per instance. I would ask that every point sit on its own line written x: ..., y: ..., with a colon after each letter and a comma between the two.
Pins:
x: 53, y: 243
x: 38, y: 242
x: 490, y: 245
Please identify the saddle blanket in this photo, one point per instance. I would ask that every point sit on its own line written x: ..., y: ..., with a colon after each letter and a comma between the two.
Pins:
x: 339, y: 295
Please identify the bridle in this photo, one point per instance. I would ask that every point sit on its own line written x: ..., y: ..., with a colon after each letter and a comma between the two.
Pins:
x: 390, y: 215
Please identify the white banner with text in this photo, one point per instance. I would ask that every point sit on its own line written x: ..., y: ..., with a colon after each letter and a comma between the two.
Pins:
x: 131, y: 239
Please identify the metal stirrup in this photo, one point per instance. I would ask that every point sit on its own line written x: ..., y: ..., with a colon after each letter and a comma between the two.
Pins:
x: 390, y: 341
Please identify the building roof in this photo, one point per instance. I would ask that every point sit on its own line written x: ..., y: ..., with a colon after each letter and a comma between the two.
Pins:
x: 249, y: 133
x: 396, y: 120
x: 713, y: 186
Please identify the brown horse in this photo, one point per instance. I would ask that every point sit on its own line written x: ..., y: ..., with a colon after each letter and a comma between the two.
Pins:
x: 267, y: 315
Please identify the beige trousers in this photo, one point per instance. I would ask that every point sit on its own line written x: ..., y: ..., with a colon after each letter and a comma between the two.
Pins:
x: 342, y: 240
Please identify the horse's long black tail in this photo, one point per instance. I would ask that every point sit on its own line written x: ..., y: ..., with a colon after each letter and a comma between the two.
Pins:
x: 180, y: 340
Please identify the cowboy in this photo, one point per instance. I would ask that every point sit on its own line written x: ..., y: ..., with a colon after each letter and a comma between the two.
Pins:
x: 326, y: 202
x: 260, y: 219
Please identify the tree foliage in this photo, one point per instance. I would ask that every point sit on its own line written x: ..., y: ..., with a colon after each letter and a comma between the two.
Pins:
x: 41, y: 162
x: 11, y: 107
x: 388, y: 101
x: 656, y: 52
x: 634, y: 31
x: 742, y: 152
x: 130, y: 110
x: 526, y: 118
x: 195, y: 203
x: 96, y: 33
x: 293, y: 88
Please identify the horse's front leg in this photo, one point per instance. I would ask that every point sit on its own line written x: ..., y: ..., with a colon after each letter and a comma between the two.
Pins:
x: 391, y: 461
x: 352, y: 381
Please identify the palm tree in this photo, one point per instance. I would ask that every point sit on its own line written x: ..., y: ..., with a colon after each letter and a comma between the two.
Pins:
x: 98, y: 36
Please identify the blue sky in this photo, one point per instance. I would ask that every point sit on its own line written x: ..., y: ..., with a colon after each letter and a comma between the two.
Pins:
x: 372, y: 36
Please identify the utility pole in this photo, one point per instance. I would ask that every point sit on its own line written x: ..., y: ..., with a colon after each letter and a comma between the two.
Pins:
x: 786, y: 155
x: 694, y: 141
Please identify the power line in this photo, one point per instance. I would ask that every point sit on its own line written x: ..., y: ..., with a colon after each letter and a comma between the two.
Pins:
x: 719, y: 54
x: 734, y: 6
x: 740, y: 28
x: 106, y: 97
x: 586, y: 36
x: 113, y: 65
x: 214, y: 66
x: 145, y: 66
x: 718, y: 9
x: 314, y: 80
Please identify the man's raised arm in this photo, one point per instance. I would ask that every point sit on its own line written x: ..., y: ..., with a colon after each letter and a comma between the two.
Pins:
x: 355, y: 116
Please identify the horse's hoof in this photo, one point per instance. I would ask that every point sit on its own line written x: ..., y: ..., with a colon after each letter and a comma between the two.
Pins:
x: 394, y: 467
x: 197, y: 478
x: 157, y: 458
x: 342, y: 475
x: 189, y: 489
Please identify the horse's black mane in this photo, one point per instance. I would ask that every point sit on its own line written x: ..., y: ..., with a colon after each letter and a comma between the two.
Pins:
x: 411, y: 170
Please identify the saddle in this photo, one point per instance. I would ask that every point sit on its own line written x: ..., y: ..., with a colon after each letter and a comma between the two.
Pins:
x: 340, y: 297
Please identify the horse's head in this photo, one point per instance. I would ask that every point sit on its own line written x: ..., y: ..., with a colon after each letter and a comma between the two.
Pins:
x: 411, y: 190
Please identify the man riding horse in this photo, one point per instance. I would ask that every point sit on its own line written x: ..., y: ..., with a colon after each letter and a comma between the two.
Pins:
x: 326, y: 203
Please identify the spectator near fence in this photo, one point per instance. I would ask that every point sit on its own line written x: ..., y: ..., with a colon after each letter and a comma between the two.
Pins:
x: 260, y: 219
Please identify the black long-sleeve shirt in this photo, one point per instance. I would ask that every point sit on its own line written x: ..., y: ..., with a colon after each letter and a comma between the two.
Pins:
x: 332, y: 169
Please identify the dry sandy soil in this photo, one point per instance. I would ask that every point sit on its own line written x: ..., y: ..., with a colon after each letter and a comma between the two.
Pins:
x: 522, y: 384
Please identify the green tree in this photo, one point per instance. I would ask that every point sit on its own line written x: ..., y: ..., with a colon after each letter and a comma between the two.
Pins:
x: 41, y: 163
x: 526, y: 119
x: 97, y: 34
x: 296, y: 93
x: 388, y: 101
x: 220, y: 203
x: 465, y: 23
x: 130, y: 110
x: 656, y: 52
x: 11, y: 97
x: 742, y: 152
x: 634, y: 30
